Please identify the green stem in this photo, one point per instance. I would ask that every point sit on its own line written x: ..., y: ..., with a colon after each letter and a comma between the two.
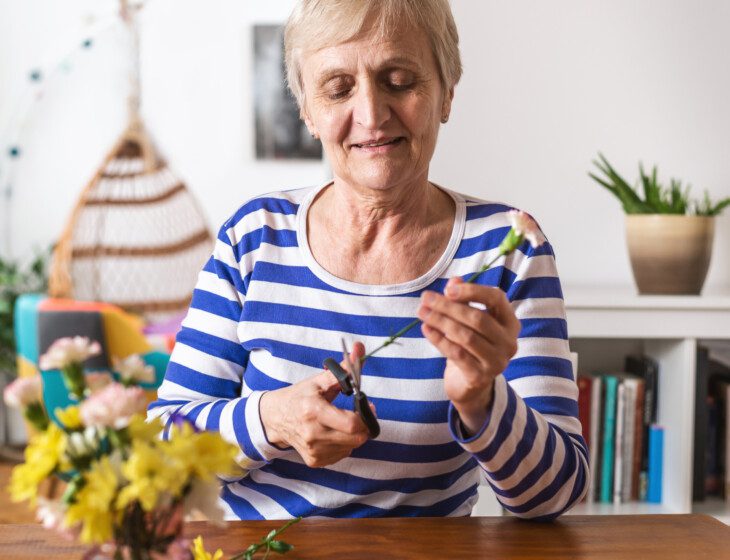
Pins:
x: 36, y: 415
x: 415, y: 322
x: 266, y: 540
x: 73, y: 378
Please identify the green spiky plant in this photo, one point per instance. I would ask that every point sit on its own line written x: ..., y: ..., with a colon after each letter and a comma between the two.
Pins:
x: 657, y: 198
x: 15, y: 280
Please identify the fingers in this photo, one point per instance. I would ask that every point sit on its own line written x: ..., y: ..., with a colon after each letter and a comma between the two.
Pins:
x: 493, y: 298
x: 467, y: 325
x: 473, y: 335
x: 450, y: 350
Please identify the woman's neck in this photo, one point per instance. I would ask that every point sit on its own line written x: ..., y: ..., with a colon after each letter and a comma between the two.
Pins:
x: 368, y: 219
x: 353, y: 233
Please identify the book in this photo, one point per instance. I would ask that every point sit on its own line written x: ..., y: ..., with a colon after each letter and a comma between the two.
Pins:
x: 627, y: 442
x: 610, y: 383
x: 638, y: 440
x: 647, y: 369
x: 656, y: 453
x: 596, y: 433
x: 618, y: 459
x: 585, y: 384
x: 701, y: 418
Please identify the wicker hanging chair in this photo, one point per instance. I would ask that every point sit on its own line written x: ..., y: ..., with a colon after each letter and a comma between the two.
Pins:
x: 136, y: 237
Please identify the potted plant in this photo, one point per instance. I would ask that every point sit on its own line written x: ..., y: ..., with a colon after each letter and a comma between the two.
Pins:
x: 669, y: 235
x: 15, y: 280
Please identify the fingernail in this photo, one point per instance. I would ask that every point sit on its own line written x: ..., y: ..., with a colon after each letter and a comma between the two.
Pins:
x: 423, y: 312
x: 452, y: 290
x: 428, y: 297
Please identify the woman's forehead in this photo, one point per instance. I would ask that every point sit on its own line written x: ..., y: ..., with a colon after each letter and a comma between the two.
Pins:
x: 403, y: 49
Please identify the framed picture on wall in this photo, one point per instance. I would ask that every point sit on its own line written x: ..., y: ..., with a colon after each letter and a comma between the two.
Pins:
x: 280, y: 133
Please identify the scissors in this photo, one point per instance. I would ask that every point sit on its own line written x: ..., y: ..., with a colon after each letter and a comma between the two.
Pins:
x: 350, y: 383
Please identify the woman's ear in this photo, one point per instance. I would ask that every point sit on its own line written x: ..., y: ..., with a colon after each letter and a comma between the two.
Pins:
x: 446, y: 105
x: 308, y: 123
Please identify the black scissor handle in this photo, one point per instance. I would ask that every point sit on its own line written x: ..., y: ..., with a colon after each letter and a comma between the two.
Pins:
x: 342, y: 376
x: 362, y: 407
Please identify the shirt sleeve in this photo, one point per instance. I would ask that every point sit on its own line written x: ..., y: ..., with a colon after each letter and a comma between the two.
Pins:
x: 204, y: 380
x: 530, y: 447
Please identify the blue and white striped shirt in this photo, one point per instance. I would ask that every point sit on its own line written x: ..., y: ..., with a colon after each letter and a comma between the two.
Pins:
x: 265, y: 315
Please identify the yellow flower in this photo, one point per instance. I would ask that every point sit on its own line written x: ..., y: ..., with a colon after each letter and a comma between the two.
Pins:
x: 92, y: 507
x: 42, y: 456
x: 150, y: 474
x: 141, y: 430
x: 202, y: 455
x: 69, y: 417
x: 199, y: 552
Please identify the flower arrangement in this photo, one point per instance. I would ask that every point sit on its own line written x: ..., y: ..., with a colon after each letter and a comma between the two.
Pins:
x: 657, y: 198
x: 127, y: 491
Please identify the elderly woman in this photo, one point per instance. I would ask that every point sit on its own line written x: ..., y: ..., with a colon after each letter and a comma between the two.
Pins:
x: 484, y: 387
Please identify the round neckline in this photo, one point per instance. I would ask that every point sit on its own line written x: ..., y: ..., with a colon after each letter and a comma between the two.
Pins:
x: 457, y: 232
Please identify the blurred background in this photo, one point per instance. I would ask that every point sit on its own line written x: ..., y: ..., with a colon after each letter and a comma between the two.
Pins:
x: 546, y: 86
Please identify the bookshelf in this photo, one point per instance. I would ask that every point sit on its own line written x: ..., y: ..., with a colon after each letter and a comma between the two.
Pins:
x: 605, y: 325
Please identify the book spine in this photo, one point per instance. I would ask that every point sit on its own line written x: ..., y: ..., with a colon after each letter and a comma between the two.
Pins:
x: 628, y: 440
x: 638, y: 440
x: 656, y: 452
x: 584, y: 407
x: 609, y: 415
x: 726, y: 437
x: 595, y: 447
x: 701, y: 418
x: 618, y: 468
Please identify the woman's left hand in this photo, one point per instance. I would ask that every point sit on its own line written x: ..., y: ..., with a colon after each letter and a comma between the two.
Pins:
x: 477, y: 344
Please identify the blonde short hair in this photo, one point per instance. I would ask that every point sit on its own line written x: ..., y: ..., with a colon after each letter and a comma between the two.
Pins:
x: 315, y: 24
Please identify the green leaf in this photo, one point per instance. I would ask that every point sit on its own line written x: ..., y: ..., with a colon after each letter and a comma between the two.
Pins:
x: 271, y: 534
x: 720, y: 206
x: 280, y: 546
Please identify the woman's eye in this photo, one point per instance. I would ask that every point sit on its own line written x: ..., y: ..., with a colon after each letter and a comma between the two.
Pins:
x: 338, y: 94
x: 400, y: 86
x: 400, y: 80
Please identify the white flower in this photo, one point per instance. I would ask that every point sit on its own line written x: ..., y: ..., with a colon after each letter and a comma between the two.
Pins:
x: 132, y: 368
x: 203, y: 499
x: 80, y: 444
x: 50, y: 513
x: 113, y: 406
x: 525, y: 226
x: 23, y: 392
x: 69, y: 350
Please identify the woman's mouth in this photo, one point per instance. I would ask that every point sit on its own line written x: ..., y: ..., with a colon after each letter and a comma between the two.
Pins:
x: 382, y: 144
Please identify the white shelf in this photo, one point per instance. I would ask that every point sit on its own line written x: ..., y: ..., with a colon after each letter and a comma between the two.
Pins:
x: 716, y: 507
x: 629, y: 508
x: 621, y: 313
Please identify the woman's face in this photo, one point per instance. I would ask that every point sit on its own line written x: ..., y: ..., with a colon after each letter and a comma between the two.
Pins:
x: 376, y: 108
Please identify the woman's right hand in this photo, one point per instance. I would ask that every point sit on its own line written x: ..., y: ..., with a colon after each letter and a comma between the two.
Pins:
x: 302, y: 416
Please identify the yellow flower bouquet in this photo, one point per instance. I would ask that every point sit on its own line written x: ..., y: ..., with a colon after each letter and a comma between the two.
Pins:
x: 127, y: 490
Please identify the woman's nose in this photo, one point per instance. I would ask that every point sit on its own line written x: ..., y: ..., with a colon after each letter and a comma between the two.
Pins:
x: 371, y: 108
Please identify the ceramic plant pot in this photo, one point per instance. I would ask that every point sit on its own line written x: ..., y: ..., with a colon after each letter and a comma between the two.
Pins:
x: 670, y: 253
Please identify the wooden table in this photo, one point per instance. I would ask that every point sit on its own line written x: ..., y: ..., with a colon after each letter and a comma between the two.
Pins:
x: 612, y: 537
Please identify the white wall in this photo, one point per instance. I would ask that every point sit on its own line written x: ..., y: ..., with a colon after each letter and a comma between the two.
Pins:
x: 546, y: 85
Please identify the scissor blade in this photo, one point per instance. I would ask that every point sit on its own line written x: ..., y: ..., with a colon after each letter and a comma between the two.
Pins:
x: 346, y: 358
x: 357, y: 372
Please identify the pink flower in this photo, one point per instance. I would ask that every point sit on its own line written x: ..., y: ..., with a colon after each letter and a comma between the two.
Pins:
x: 23, y: 392
x: 133, y: 369
x: 69, y: 350
x: 524, y: 225
x: 97, y: 380
x: 113, y: 406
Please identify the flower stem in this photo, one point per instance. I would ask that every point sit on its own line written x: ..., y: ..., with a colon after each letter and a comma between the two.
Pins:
x: 415, y: 322
x: 254, y: 548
